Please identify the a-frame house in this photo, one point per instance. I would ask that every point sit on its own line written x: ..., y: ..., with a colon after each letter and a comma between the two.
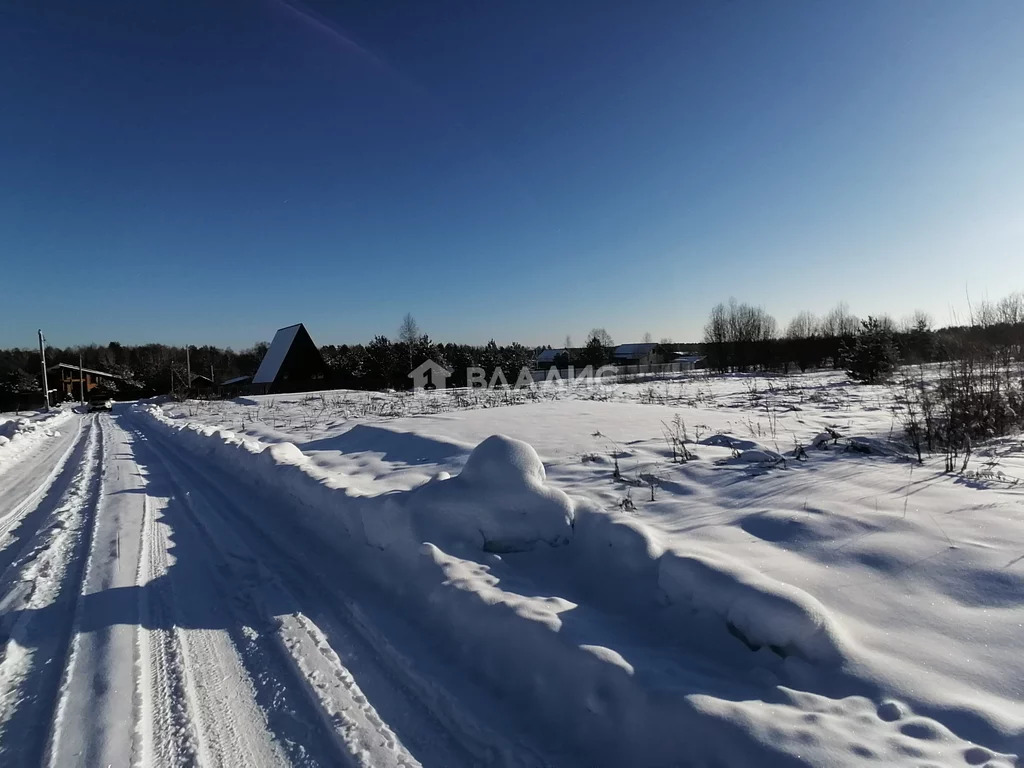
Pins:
x: 292, y: 364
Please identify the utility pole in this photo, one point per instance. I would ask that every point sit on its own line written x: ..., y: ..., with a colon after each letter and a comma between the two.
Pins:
x: 188, y: 367
x: 42, y: 358
x: 81, y: 380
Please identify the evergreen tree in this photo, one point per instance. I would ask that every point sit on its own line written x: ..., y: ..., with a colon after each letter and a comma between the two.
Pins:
x: 872, y: 356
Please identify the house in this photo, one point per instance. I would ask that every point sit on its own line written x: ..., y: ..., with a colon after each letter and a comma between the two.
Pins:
x: 636, y: 354
x: 551, y: 358
x: 67, y: 380
x: 688, y: 362
x: 233, y: 387
x: 201, y: 384
x: 293, y: 363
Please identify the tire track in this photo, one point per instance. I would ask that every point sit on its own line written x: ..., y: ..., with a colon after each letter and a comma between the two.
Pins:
x: 41, y: 621
x: 163, y: 729
x: 209, y: 679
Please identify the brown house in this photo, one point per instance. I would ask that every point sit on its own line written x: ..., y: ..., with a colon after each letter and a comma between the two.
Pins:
x: 66, y: 378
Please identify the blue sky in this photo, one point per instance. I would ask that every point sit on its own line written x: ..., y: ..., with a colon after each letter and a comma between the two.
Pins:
x: 520, y: 171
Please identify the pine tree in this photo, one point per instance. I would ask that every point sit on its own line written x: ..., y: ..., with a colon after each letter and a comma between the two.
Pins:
x: 872, y: 356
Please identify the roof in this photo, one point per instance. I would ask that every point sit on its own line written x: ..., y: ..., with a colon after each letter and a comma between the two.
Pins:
x: 271, y: 364
x: 631, y: 351
x: 549, y: 355
x: 200, y: 378
x: 236, y: 380
x: 683, y: 357
x: 75, y: 368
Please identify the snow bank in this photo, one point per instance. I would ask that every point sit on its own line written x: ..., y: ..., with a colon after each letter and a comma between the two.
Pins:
x: 20, y: 434
x: 764, y: 611
x: 499, y: 503
x: 634, y: 569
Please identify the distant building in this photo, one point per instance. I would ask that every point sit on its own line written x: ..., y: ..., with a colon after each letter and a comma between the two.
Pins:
x: 201, y: 384
x: 636, y: 354
x: 234, y: 387
x: 551, y: 357
x: 689, y: 362
x: 67, y: 379
x: 293, y: 363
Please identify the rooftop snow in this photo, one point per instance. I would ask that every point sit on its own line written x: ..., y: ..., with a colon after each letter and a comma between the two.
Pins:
x: 272, y: 361
x: 75, y: 368
x: 549, y: 355
x: 634, y: 350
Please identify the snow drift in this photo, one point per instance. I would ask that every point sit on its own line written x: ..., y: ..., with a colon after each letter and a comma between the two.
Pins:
x: 499, y: 502
x: 20, y: 434
x: 533, y: 590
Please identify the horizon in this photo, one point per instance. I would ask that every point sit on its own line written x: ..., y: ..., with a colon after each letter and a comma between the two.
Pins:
x: 577, y: 344
x: 180, y: 172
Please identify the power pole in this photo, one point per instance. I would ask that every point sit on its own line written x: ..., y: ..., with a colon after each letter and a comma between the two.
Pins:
x: 42, y: 358
x: 188, y: 368
x: 81, y: 380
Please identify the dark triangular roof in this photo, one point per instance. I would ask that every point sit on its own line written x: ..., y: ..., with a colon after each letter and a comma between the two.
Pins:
x: 271, y: 364
x: 292, y: 337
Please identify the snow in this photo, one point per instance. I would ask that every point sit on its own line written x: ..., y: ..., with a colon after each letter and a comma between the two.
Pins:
x: 766, y: 612
x: 436, y: 564
x: 276, y: 353
x: 500, y: 494
x: 21, y: 436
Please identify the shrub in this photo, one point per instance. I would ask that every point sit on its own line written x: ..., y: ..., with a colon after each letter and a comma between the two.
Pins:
x: 872, y: 357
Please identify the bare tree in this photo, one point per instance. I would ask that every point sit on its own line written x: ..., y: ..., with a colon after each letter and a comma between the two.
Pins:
x: 1010, y: 309
x: 840, y: 322
x: 409, y: 334
x: 601, y: 335
x: 647, y: 339
x: 887, y: 323
x: 918, y: 320
x: 839, y: 326
x: 803, y: 326
x: 736, y: 334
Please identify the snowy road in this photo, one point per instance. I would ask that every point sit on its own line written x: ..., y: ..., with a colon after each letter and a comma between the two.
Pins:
x: 147, y: 621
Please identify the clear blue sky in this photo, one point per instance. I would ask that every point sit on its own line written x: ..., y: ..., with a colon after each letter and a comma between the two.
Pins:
x: 206, y: 172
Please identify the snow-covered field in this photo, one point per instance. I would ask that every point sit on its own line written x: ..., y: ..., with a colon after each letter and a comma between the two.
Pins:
x: 639, y: 574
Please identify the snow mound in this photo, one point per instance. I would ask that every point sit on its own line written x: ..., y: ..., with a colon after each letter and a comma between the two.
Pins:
x: 283, y: 454
x: 763, y: 611
x: 759, y: 456
x: 14, y: 427
x: 821, y: 440
x: 500, y: 460
x: 498, y: 503
x: 20, y: 434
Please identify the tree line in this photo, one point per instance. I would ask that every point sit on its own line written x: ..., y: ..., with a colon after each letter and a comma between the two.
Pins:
x: 155, y: 369
x: 144, y: 370
x: 737, y: 337
x: 743, y: 337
